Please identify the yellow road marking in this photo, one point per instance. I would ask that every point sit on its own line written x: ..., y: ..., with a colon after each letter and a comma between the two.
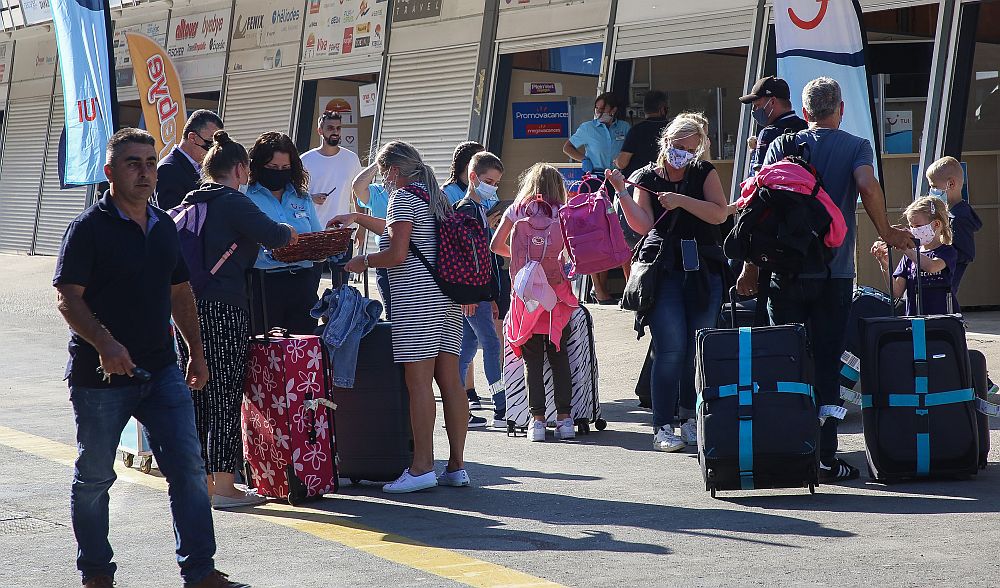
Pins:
x: 395, y: 548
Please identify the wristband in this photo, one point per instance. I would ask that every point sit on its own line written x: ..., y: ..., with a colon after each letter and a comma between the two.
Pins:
x: 367, y: 265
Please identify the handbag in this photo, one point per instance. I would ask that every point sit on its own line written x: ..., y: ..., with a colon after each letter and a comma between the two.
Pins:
x: 640, y: 289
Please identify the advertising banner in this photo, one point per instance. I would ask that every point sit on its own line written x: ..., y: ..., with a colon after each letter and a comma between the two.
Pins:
x: 6, y: 59
x: 368, y: 97
x: 160, y: 91
x: 265, y: 34
x: 344, y: 27
x: 87, y: 80
x: 36, y: 11
x: 156, y: 30
x: 197, y: 44
x: 541, y: 120
x: 824, y: 38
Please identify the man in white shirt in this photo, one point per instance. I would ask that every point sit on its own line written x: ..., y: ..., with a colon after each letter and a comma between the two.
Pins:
x: 332, y: 170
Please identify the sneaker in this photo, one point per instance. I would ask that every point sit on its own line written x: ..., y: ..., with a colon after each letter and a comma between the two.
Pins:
x: 475, y: 402
x: 409, y: 483
x: 249, y: 498
x: 838, y: 471
x: 456, y: 479
x: 536, y: 431
x: 499, y: 422
x: 665, y: 440
x: 217, y: 580
x: 476, y: 422
x: 565, y: 429
x: 689, y: 432
x: 100, y: 582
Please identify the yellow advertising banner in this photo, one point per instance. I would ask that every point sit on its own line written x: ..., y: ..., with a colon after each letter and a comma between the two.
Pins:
x: 160, y: 91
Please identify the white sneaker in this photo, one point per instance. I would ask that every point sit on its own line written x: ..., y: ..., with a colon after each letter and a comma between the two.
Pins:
x: 565, y: 429
x: 536, y: 431
x: 457, y: 479
x: 689, y: 432
x: 665, y: 440
x: 250, y: 498
x: 410, y: 483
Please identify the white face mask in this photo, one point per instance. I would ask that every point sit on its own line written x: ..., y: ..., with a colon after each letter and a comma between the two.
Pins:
x: 604, y: 118
x: 679, y: 158
x: 925, y: 233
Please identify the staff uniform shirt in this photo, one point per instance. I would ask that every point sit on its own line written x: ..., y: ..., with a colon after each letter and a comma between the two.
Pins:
x: 294, y: 209
x: 127, y: 275
x: 455, y: 191
x: 602, y: 143
x: 378, y: 201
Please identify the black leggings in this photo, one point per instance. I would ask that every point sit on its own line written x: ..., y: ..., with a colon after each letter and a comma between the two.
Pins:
x: 534, y: 351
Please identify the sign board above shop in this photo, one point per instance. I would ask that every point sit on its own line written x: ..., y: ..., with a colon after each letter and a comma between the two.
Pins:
x: 404, y: 10
x: 541, y: 120
x: 266, y: 34
x: 36, y: 11
x: 156, y: 30
x: 337, y: 28
x: 197, y: 44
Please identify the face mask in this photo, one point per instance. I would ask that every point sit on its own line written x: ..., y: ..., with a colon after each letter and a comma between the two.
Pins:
x: 274, y: 179
x: 486, y: 191
x: 924, y: 233
x: 243, y: 188
x: 761, y: 116
x: 678, y: 158
x: 604, y: 118
x: 939, y: 193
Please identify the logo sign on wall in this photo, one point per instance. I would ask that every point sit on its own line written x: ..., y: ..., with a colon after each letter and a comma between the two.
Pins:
x: 542, y: 88
x: 343, y: 27
x: 6, y: 58
x: 898, y: 131
x: 541, y: 120
x: 368, y: 99
x: 160, y: 91
x: 404, y: 10
x: 347, y: 106
x: 36, y: 11
x: 266, y: 24
x: 196, y: 35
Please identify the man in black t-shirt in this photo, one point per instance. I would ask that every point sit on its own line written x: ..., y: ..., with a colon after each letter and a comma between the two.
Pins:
x: 772, y: 110
x: 121, y: 276
x: 642, y: 143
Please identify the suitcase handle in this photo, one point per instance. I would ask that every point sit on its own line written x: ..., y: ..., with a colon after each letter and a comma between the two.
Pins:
x: 918, y: 295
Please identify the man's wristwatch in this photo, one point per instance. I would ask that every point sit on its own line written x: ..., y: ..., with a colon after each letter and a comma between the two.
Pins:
x: 367, y: 265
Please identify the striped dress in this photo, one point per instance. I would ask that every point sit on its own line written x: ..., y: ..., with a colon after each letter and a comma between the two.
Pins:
x: 425, y: 322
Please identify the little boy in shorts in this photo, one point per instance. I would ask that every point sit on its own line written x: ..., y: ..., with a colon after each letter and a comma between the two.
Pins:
x: 946, y: 178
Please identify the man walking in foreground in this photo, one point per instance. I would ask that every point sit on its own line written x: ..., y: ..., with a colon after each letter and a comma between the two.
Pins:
x: 120, y: 276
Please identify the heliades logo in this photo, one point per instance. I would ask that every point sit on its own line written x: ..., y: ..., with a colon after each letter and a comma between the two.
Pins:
x: 284, y: 15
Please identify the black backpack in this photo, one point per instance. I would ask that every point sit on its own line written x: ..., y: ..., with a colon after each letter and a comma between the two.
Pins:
x: 781, y: 231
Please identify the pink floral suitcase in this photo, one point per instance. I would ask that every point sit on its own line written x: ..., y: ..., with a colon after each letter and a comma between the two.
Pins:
x: 287, y: 413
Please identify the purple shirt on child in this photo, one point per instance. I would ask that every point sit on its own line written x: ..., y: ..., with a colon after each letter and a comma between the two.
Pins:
x: 936, y: 288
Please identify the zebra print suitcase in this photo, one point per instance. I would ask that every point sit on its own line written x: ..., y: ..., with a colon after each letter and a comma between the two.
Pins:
x: 586, y: 409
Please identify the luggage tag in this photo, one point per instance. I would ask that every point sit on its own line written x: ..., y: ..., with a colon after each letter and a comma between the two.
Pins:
x: 689, y: 255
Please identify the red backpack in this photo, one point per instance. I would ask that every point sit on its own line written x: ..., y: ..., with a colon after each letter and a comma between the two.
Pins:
x: 464, y: 269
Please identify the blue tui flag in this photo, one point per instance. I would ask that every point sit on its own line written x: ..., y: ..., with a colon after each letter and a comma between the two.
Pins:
x: 88, y: 87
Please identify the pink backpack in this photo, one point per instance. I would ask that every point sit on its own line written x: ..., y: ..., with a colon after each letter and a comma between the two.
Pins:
x: 537, y: 238
x: 593, y: 234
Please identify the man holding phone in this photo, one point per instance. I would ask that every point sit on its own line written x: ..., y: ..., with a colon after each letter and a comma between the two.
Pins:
x: 120, y: 278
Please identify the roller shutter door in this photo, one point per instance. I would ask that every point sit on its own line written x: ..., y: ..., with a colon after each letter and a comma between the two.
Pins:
x: 21, y: 171
x: 703, y: 33
x: 428, y: 102
x: 258, y: 102
x: 57, y: 207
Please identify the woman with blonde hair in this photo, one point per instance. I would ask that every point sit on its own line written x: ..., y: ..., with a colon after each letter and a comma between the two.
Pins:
x: 930, y: 224
x: 426, y: 324
x: 537, y: 333
x: 679, y: 202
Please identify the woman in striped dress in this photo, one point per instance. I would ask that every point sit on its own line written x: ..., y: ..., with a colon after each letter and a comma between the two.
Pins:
x: 426, y: 324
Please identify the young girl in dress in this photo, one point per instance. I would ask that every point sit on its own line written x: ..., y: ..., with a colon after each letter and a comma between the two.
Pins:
x: 929, y: 222
x: 532, y: 331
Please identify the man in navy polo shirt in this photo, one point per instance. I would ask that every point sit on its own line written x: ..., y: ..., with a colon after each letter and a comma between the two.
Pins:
x: 120, y: 277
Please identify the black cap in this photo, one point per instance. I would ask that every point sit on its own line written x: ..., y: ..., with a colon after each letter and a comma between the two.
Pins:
x: 767, y: 87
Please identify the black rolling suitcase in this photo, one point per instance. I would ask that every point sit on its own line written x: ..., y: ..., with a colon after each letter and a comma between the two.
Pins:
x: 374, y: 439
x: 866, y: 303
x: 980, y: 379
x: 739, y: 311
x: 757, y: 414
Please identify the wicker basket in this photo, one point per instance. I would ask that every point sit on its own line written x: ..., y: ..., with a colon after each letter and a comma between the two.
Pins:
x: 315, y: 246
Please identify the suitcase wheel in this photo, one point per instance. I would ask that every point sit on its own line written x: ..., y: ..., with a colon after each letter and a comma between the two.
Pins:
x: 145, y: 464
x: 600, y: 424
x: 583, y: 426
x: 812, y: 488
x: 713, y: 492
x: 128, y: 459
x: 355, y: 481
x: 297, y: 491
x: 248, y: 475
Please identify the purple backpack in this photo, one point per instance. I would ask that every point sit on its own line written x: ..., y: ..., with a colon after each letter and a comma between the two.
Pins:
x: 190, y: 221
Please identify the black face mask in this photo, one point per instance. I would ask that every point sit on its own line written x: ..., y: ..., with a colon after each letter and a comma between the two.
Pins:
x: 274, y: 179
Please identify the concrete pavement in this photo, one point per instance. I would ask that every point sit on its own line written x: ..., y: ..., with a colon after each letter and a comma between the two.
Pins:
x: 604, y: 510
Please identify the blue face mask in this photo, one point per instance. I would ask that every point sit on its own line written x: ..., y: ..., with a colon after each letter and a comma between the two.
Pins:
x: 487, y: 194
x: 938, y: 192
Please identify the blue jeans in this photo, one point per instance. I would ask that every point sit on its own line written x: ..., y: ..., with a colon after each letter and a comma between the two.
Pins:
x: 479, y: 331
x: 679, y: 311
x: 823, y: 306
x: 164, y: 406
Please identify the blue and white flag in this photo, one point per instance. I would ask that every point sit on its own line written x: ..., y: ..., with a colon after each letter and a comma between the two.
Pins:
x: 87, y: 81
x: 824, y: 38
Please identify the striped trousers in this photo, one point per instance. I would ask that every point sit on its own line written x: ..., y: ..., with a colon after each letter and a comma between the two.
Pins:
x: 225, y: 332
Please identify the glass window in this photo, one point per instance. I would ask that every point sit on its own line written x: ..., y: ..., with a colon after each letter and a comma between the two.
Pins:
x: 579, y: 59
x: 982, y: 118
